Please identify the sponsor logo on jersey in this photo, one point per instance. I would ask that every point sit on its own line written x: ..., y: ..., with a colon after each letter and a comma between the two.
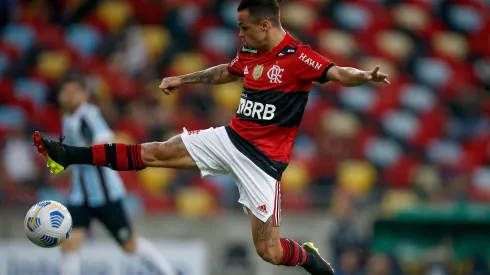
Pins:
x: 248, y: 50
x: 257, y: 73
x: 275, y: 74
x: 256, y: 110
x: 310, y: 62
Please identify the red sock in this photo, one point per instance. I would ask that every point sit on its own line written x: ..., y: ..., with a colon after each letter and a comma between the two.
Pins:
x: 293, y: 254
x: 118, y: 156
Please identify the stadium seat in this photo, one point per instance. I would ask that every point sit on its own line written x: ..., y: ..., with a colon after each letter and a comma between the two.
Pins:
x: 4, y: 63
x: 356, y: 177
x: 194, y: 202
x: 432, y: 72
x: 298, y: 15
x: 52, y: 64
x: 417, y: 98
x: 217, y: 40
x: 427, y: 179
x: 358, y: 99
x: 382, y: 151
x: 114, y: 13
x: 156, y: 180
x: 187, y: 63
x: 337, y: 43
x: 394, y: 45
x: 227, y: 95
x: 340, y: 123
x: 84, y: 38
x: 444, y: 151
x: 400, y: 124
x: 400, y: 174
x: 11, y: 116
x: 31, y: 89
x: 20, y: 36
x: 450, y: 45
x: 295, y: 177
x: 352, y: 16
x: 156, y: 38
x: 411, y: 17
x: 396, y: 200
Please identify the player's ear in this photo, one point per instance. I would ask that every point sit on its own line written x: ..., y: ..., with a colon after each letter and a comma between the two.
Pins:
x: 266, y: 25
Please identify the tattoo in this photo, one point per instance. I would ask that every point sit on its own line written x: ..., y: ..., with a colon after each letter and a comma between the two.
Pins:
x: 263, y: 231
x: 208, y: 76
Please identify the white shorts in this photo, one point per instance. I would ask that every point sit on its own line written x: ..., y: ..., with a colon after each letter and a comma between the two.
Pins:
x: 215, y: 154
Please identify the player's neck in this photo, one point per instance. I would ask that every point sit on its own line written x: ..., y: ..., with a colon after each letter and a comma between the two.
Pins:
x: 275, y: 38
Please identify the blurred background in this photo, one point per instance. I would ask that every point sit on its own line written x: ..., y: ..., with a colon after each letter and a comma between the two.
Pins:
x: 385, y: 179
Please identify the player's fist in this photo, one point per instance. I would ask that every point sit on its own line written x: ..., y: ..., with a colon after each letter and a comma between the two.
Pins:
x: 170, y: 85
x: 376, y: 76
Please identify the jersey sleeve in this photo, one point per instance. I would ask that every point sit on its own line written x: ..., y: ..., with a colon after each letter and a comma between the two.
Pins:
x: 100, y: 131
x: 312, y: 66
x: 236, y: 66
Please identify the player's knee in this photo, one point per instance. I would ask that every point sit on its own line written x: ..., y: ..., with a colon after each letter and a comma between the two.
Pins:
x: 129, y: 246
x: 268, y: 253
x: 160, y: 151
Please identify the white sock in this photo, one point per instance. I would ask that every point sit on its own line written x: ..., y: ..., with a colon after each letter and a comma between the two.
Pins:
x: 150, y: 255
x: 71, y: 264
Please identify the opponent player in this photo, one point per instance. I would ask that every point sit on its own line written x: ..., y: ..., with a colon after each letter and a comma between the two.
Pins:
x: 255, y: 148
x: 96, y: 192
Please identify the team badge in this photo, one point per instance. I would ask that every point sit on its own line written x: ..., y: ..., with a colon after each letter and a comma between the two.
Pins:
x: 258, y: 71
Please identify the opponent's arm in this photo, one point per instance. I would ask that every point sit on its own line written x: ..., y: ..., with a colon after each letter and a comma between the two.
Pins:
x: 214, y: 75
x: 350, y: 77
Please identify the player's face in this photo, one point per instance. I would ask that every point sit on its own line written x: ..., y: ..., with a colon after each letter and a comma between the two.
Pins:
x: 72, y: 94
x: 254, y: 34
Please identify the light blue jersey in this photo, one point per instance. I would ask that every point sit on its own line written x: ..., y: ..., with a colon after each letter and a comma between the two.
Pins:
x: 92, y: 186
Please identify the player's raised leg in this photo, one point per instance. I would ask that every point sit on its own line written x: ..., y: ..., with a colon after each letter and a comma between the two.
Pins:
x: 117, y: 156
x: 272, y: 248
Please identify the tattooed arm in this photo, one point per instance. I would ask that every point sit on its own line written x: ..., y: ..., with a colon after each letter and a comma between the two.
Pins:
x: 214, y: 75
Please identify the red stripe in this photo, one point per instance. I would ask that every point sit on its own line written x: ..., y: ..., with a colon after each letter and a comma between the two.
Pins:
x: 275, y: 203
x: 121, y: 157
x: 98, y: 155
x: 284, y: 251
x: 303, y: 261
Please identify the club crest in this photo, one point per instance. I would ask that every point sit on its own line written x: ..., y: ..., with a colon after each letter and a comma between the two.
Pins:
x: 257, y: 73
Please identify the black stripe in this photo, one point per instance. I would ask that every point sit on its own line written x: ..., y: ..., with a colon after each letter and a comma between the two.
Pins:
x: 300, y: 255
x: 110, y: 153
x: 88, y: 136
x: 292, y: 250
x: 84, y: 188
x: 130, y: 153
x: 323, y: 77
x: 288, y: 107
x: 103, y: 183
x: 271, y: 167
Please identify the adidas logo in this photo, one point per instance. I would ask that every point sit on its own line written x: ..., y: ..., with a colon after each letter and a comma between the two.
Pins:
x: 246, y: 70
x: 262, y: 208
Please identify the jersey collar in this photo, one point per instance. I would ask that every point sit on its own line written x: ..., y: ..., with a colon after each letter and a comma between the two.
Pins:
x: 279, y: 47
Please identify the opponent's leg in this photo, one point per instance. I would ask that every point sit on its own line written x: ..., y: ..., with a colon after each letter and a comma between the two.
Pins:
x: 71, y: 263
x: 283, y: 251
x: 148, y: 254
x: 117, y: 156
x: 115, y: 219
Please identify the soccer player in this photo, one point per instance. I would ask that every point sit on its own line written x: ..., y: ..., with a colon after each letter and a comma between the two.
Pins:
x: 96, y: 192
x: 255, y: 147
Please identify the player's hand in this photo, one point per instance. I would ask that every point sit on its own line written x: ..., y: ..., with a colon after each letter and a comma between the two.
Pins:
x: 376, y: 76
x: 170, y: 85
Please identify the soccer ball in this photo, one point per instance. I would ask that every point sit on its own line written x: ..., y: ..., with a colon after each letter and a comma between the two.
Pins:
x: 48, y: 224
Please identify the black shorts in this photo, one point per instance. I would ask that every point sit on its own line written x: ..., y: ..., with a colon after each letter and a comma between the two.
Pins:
x: 112, y: 215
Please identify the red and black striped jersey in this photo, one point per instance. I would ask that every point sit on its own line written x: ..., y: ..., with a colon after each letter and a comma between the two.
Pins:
x: 275, y: 93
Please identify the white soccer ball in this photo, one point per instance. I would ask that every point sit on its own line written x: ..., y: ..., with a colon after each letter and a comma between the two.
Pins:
x: 48, y: 224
